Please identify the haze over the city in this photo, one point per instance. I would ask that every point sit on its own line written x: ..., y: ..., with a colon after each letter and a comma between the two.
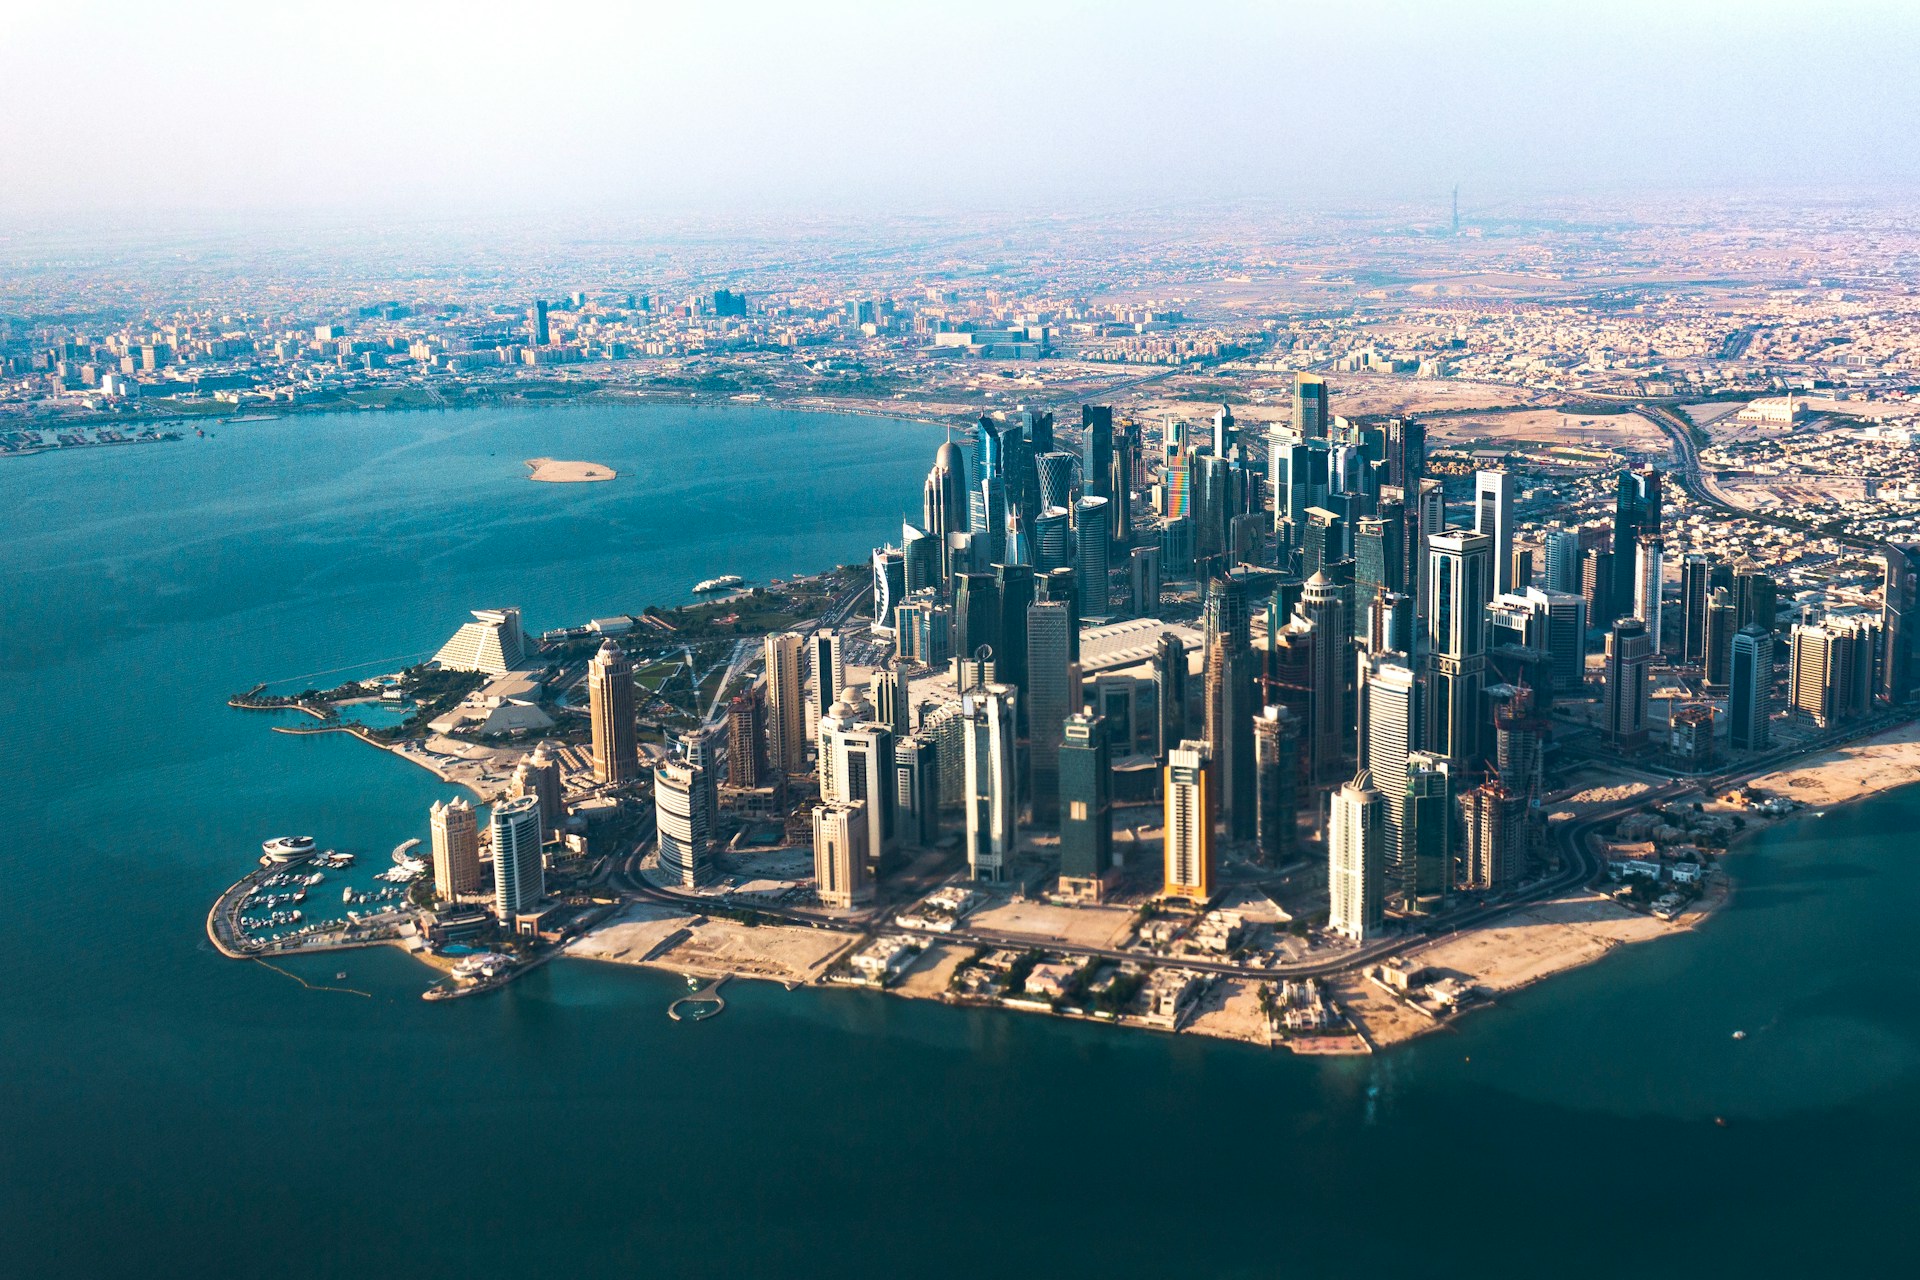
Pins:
x: 152, y: 113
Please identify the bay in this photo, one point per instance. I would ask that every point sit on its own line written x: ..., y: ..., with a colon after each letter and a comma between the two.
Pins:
x: 165, y: 1111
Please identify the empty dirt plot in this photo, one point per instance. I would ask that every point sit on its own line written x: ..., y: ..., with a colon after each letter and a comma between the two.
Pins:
x: 928, y: 978
x: 1556, y: 935
x: 1628, y: 432
x: 770, y: 951
x: 1040, y: 923
x: 1230, y: 1010
x: 629, y: 936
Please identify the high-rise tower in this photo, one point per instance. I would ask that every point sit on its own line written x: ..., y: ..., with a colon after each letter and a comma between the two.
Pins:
x: 616, y: 752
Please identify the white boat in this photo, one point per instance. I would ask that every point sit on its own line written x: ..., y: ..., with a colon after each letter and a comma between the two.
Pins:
x: 724, y: 582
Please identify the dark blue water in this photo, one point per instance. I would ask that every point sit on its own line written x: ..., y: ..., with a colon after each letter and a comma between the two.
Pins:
x: 164, y: 1111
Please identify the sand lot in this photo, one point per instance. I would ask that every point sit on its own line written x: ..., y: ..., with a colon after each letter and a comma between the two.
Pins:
x: 1846, y: 773
x: 1231, y: 1011
x: 713, y: 947
x: 1102, y: 927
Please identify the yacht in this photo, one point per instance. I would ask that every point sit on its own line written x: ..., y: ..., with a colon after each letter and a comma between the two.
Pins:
x: 724, y: 582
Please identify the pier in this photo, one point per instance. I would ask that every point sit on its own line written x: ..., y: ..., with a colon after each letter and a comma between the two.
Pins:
x: 705, y: 1003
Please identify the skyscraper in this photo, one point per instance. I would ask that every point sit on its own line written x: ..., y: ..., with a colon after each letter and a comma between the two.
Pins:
x: 1493, y: 516
x: 916, y: 791
x: 1091, y: 564
x: 786, y: 709
x: 1426, y: 830
x: 1696, y: 588
x: 1629, y: 654
x: 829, y: 670
x: 1144, y: 582
x: 1406, y: 453
x: 1636, y: 510
x: 538, y: 775
x: 1716, y: 650
x: 519, y: 876
x: 1170, y: 673
x: 1563, y: 561
x: 1390, y: 703
x: 1459, y: 583
x: 1048, y: 702
x: 1322, y: 604
x: 1057, y: 473
x: 1898, y: 621
x: 976, y: 621
x: 1231, y: 706
x: 537, y: 333
x: 992, y: 799
x: 1276, y: 746
x: 1647, y: 580
x: 1086, y: 808
x: 1189, y: 824
x: 944, y: 509
x: 456, y: 848
x: 746, y: 741
x: 1355, y: 870
x: 616, y: 751
x: 856, y: 767
x: 683, y: 822
x: 840, y: 857
x: 1096, y: 450
x: 1750, y: 695
x: 1310, y: 416
x: 1495, y: 853
x: 1224, y: 435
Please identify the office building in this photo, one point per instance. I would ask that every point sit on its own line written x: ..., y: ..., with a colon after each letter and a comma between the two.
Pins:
x: 889, y: 585
x: 1086, y: 808
x: 537, y: 331
x: 1144, y: 582
x: 1091, y: 563
x: 1755, y: 597
x: 1426, y: 832
x: 1636, y: 512
x: 1059, y: 476
x: 916, y: 791
x: 1390, y: 703
x: 840, y: 857
x: 856, y: 766
x: 1629, y: 685
x: 1750, y: 694
x: 456, y: 849
x: 1050, y: 698
x: 1647, y: 581
x: 1459, y: 588
x: 786, y: 706
x: 1188, y: 796
x: 944, y: 506
x: 683, y: 823
x: 1355, y: 863
x: 538, y: 775
x: 1310, y: 415
x: 1053, y: 545
x: 1276, y: 765
x: 1493, y: 517
x: 616, y: 748
x: 1696, y: 589
x: 992, y: 796
x: 519, y: 875
x: 1176, y: 547
x: 1096, y: 451
x: 1563, y: 561
x: 1898, y: 620
x: 829, y: 670
x: 1723, y: 619
x: 746, y: 741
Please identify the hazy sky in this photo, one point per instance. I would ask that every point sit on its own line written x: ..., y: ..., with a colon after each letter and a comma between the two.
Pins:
x: 160, y: 108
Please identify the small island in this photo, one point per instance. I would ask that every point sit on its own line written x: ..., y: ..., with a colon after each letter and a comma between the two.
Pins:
x: 558, y: 471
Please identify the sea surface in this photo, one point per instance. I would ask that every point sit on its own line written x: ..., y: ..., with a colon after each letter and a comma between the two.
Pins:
x: 164, y: 1111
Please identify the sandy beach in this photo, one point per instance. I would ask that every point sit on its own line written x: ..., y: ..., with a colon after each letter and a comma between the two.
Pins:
x: 1864, y: 768
x: 559, y: 471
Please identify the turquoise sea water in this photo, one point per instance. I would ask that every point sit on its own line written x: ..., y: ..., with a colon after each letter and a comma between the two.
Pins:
x: 165, y: 1112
